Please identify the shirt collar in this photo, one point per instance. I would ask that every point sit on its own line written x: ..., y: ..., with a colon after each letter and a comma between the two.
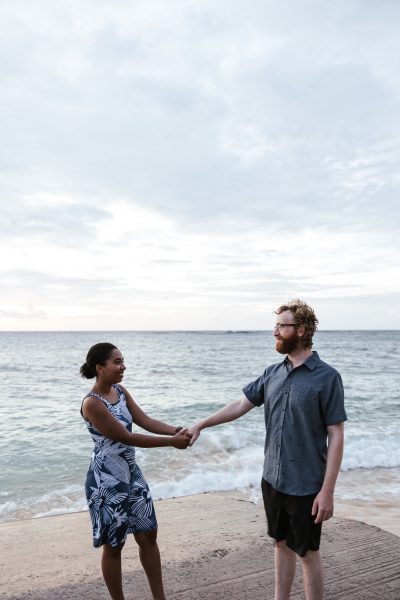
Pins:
x: 310, y: 363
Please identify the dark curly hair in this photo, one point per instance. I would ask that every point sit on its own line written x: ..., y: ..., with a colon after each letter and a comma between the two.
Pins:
x: 97, y: 355
x: 303, y: 315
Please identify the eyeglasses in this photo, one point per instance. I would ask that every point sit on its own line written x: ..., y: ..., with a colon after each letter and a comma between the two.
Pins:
x: 281, y: 326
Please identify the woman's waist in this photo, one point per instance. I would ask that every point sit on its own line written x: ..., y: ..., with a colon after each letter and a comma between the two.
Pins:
x: 115, y: 449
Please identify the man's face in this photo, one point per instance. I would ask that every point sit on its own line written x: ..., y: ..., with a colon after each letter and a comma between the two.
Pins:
x: 285, y: 333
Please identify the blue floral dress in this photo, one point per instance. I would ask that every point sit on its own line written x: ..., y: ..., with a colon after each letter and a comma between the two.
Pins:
x: 118, y: 496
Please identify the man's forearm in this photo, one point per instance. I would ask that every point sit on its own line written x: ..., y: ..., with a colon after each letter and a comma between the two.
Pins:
x: 334, y: 456
x: 323, y: 504
x: 228, y: 413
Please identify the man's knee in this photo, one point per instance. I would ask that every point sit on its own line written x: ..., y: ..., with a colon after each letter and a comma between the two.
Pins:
x: 284, y: 549
x: 310, y: 557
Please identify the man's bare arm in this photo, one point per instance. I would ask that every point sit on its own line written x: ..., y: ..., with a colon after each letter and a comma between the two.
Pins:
x: 323, y: 503
x: 230, y: 412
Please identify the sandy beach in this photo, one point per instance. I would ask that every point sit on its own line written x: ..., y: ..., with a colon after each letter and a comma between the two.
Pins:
x: 213, y: 546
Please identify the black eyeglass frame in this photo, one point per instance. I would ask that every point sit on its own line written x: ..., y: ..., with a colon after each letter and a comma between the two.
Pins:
x: 280, y: 326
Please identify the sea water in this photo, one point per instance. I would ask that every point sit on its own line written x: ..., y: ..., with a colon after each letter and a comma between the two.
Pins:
x: 180, y: 377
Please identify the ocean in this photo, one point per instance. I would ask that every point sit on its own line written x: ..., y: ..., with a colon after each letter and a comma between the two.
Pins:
x: 179, y: 377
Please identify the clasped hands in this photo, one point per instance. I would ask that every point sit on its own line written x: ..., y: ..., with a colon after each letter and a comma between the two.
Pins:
x: 185, y: 437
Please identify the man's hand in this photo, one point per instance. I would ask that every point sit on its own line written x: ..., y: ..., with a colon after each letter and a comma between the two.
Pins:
x: 322, y: 508
x: 194, y: 432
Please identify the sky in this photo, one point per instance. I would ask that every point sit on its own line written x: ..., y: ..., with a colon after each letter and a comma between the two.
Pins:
x: 195, y: 164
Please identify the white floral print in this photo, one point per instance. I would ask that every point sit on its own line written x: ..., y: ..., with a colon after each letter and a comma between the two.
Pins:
x: 118, y: 496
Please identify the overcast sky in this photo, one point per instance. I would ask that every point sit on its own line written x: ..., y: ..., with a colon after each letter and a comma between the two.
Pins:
x: 193, y: 164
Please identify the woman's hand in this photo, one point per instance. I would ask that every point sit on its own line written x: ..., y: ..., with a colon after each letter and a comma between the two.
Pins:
x: 181, y: 439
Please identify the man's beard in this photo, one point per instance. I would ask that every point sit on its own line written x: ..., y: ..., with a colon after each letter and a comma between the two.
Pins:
x: 287, y: 345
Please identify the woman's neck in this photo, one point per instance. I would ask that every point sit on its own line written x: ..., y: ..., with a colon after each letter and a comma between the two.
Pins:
x: 104, y: 388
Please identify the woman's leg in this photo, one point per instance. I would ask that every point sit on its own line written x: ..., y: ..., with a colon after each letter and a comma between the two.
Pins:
x: 150, y: 558
x: 111, y: 568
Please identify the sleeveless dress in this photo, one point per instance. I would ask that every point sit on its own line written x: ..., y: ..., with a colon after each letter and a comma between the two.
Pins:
x: 117, y: 494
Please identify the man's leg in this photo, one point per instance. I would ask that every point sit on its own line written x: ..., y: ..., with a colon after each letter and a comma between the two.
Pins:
x: 312, y: 574
x: 304, y: 538
x: 285, y: 569
x: 278, y: 524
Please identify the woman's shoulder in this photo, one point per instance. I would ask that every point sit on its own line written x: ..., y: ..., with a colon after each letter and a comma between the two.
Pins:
x: 121, y: 390
x: 93, y: 401
x: 91, y: 405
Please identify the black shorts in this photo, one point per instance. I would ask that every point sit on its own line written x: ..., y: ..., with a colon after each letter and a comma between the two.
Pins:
x: 289, y: 518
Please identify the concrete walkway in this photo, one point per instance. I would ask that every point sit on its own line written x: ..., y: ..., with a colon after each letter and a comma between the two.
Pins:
x: 213, y: 547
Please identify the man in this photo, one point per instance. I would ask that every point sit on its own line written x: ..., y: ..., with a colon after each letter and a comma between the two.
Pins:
x: 304, y: 419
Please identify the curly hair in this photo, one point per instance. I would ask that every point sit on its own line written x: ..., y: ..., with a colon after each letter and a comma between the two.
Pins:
x: 303, y: 315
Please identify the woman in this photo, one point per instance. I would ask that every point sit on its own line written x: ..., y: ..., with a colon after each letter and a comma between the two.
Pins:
x: 118, y: 496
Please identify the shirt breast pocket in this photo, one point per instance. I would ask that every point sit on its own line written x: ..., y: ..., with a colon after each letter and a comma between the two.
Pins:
x: 303, y: 400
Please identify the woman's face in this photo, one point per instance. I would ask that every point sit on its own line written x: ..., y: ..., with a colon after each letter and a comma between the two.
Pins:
x: 114, y: 367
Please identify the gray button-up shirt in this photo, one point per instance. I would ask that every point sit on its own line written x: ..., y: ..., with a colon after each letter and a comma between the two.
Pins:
x: 299, y: 404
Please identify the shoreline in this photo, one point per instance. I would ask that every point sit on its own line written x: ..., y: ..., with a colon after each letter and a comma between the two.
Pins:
x: 213, y: 546
x: 379, y: 513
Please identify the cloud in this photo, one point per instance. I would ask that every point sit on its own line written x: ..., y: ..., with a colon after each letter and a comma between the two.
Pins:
x: 160, y: 156
x: 50, y: 217
x: 204, y: 113
x: 29, y: 313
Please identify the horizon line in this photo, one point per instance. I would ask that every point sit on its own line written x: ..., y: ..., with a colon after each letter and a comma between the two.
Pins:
x: 241, y: 330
